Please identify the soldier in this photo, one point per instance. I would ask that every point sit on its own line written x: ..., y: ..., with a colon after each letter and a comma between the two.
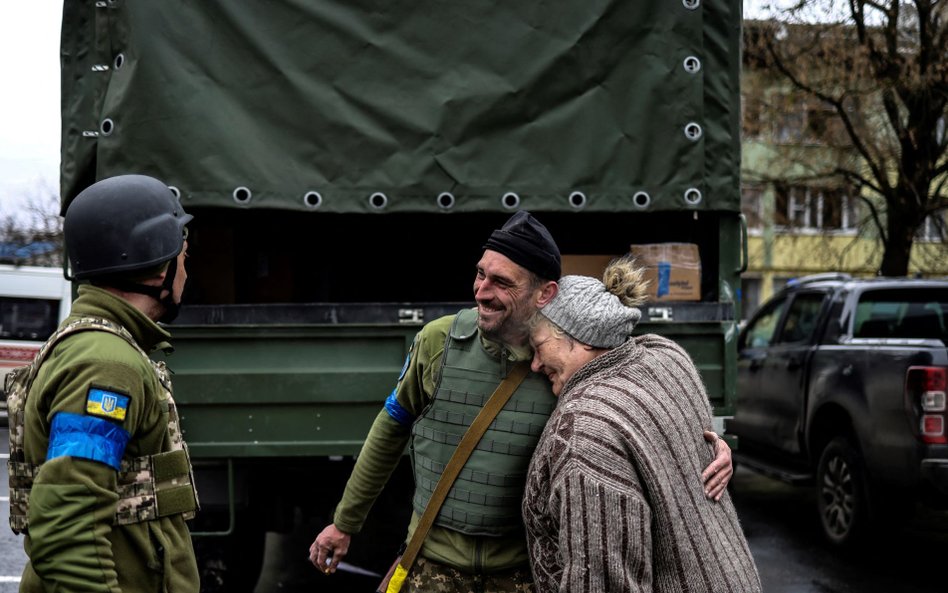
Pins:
x: 477, y: 542
x: 101, y: 481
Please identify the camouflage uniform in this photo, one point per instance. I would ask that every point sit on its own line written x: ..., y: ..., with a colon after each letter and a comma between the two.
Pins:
x: 92, y: 528
x: 430, y: 577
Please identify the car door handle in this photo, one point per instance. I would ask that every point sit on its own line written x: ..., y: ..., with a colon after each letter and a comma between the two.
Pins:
x: 794, y: 364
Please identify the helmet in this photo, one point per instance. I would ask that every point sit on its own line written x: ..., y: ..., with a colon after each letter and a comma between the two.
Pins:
x: 122, y: 224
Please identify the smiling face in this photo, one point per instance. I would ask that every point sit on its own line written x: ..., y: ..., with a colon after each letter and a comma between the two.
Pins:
x: 507, y: 296
x: 556, y: 355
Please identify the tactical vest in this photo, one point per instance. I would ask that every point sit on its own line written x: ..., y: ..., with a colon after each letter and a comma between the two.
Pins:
x: 149, y: 487
x: 485, y: 499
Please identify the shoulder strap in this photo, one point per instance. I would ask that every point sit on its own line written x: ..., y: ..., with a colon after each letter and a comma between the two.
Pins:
x: 494, y: 405
x: 81, y: 324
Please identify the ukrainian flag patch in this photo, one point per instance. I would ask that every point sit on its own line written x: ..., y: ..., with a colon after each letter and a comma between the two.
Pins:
x: 106, y: 404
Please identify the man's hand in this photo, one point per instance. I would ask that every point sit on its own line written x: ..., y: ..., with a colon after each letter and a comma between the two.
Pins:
x: 329, y: 548
x: 718, y: 474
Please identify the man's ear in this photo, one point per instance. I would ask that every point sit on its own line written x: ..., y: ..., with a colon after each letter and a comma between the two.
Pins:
x: 547, y: 293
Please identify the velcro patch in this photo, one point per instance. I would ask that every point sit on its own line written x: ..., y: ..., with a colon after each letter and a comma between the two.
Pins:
x: 106, y: 404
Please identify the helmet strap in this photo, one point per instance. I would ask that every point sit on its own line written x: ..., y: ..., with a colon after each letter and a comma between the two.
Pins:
x: 171, y: 308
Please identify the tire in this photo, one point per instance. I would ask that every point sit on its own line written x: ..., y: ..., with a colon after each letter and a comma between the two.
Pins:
x: 842, y: 494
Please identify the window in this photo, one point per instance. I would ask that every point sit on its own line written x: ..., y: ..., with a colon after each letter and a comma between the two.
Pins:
x: 788, y: 125
x: 934, y: 228
x: 802, y: 121
x: 901, y: 314
x: 752, y: 206
x: 27, y: 319
x: 802, y: 318
x: 823, y: 126
x: 751, y: 112
x: 807, y: 208
x: 761, y: 331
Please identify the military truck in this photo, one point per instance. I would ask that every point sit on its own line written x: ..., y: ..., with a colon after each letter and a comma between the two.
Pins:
x: 345, y: 163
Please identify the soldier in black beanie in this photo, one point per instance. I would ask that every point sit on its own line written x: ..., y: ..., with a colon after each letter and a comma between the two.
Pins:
x: 477, y: 540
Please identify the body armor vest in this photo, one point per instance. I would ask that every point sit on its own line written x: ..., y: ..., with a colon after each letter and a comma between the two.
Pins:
x: 149, y: 487
x: 485, y: 499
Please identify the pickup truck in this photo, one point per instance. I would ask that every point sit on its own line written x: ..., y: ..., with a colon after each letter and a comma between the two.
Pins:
x: 841, y: 384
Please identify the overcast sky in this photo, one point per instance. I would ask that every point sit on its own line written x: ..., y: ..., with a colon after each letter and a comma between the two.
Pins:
x: 29, y: 99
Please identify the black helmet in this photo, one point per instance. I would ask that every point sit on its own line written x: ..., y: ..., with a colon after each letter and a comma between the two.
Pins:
x: 122, y: 224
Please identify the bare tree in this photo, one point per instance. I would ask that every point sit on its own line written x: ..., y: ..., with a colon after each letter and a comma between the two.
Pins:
x: 879, y: 70
x: 33, y: 234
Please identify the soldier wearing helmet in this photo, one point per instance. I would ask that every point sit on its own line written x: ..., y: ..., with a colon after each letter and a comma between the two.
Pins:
x: 101, y: 481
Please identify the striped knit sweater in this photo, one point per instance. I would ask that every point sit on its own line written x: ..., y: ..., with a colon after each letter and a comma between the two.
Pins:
x: 614, y: 499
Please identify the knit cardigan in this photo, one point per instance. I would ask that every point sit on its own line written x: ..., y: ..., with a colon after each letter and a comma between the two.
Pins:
x: 614, y: 499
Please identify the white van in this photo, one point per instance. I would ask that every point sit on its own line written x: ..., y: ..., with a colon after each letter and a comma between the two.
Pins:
x: 33, y: 301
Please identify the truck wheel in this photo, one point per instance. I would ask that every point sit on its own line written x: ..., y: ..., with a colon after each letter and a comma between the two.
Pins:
x: 841, y: 493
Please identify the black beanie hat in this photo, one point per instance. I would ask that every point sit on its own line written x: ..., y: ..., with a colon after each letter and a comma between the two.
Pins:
x: 527, y: 243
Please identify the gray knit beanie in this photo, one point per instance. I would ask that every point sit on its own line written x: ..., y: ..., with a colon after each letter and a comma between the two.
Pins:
x: 586, y: 310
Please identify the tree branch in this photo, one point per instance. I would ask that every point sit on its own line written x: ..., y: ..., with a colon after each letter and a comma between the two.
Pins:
x: 863, y: 181
x: 876, y: 218
x: 877, y: 170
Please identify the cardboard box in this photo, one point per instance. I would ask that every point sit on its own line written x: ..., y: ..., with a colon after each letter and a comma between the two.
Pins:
x: 585, y: 265
x: 672, y: 269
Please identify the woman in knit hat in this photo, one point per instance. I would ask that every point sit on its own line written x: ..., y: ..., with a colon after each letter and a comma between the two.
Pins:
x: 614, y: 500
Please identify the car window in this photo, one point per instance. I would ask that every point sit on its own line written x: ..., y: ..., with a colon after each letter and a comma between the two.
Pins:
x: 802, y: 318
x: 761, y: 330
x: 918, y: 313
x: 27, y: 318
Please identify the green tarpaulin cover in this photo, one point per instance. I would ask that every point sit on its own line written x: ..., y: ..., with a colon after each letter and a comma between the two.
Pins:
x: 322, y: 104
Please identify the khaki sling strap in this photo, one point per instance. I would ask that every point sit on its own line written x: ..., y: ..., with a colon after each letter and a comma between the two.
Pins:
x: 464, y: 449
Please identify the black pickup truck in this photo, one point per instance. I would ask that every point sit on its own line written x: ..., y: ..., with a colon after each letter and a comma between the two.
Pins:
x: 841, y: 383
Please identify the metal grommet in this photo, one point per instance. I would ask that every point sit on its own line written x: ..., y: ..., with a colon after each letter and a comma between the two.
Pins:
x: 446, y: 200
x: 691, y: 64
x: 641, y: 199
x: 510, y: 200
x: 312, y: 200
x: 378, y: 200
x: 693, y: 131
x: 175, y: 191
x: 577, y: 199
x: 242, y: 195
x: 691, y: 4
x: 119, y: 61
x: 107, y: 127
x: 693, y: 196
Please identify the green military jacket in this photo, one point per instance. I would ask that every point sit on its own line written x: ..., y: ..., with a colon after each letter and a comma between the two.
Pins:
x: 386, y: 443
x: 72, y: 543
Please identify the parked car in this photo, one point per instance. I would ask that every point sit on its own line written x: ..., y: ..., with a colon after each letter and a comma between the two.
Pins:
x: 841, y: 384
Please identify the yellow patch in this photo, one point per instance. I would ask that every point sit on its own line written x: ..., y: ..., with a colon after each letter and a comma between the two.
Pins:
x: 106, y: 404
